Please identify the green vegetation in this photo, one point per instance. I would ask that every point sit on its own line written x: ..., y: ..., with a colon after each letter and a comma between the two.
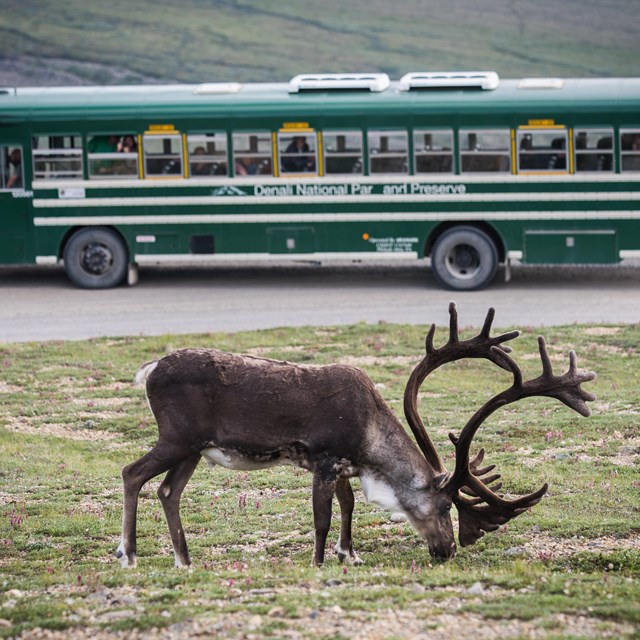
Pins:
x: 197, y: 41
x: 70, y: 419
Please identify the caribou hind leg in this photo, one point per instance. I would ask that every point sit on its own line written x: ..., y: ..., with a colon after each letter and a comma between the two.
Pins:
x: 160, y: 459
x: 169, y: 493
x: 344, y: 548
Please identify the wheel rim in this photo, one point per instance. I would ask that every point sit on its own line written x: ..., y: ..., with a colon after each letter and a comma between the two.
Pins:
x: 463, y: 261
x: 96, y: 259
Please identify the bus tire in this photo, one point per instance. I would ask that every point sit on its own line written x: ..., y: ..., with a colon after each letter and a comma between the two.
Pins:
x: 95, y: 258
x: 464, y: 258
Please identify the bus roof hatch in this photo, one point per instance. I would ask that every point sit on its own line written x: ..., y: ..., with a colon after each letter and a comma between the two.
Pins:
x: 328, y: 81
x: 487, y: 80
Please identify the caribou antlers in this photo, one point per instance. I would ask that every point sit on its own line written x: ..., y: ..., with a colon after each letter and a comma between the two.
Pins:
x: 474, y: 493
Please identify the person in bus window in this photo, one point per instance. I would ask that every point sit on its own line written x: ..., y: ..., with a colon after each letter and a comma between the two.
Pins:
x: 15, y: 178
x: 245, y: 167
x: 631, y: 161
x: 198, y: 166
x: 241, y: 167
x: 558, y: 159
x: 605, y: 160
x: 304, y: 163
x: 127, y: 145
x: 103, y: 144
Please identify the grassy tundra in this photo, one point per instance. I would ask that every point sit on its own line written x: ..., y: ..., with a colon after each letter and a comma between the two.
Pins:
x: 70, y: 419
x: 254, y: 40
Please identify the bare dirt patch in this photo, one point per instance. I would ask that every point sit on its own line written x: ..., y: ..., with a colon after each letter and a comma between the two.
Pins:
x: 544, y: 546
x: 9, y: 388
x: 333, y: 621
x: 602, y: 331
x: 26, y: 426
x: 377, y: 361
x: 627, y: 455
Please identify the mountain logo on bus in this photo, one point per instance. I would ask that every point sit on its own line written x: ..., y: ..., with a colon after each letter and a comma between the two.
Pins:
x: 228, y: 190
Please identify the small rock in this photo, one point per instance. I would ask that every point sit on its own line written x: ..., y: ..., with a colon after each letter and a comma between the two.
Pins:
x: 398, y: 517
x: 114, y: 616
x: 333, y: 582
x: 476, y: 589
x: 516, y: 551
x: 255, y: 622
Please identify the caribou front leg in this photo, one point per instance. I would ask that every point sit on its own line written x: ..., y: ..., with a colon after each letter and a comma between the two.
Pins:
x: 324, y: 486
x: 344, y: 548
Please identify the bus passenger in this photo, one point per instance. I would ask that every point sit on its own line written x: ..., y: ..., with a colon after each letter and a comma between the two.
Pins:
x: 245, y: 167
x: 103, y: 144
x: 241, y: 168
x: 198, y: 166
x: 557, y: 160
x: 127, y: 145
x: 302, y: 163
x: 15, y: 179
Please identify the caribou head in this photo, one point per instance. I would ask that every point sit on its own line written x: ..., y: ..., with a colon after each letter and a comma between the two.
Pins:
x: 242, y: 412
x: 473, y: 488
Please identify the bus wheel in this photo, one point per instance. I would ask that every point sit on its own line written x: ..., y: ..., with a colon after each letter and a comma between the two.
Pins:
x: 464, y: 258
x: 95, y: 258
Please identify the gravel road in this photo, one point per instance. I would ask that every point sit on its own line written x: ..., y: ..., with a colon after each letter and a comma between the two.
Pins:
x: 39, y: 304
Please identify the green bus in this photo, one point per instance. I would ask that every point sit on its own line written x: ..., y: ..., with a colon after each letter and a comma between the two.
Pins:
x: 465, y: 169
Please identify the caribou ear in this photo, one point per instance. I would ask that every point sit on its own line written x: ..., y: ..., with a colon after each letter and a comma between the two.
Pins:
x: 441, y: 481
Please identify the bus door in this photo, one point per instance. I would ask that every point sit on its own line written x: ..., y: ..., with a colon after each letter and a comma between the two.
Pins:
x: 542, y: 149
x: 14, y: 205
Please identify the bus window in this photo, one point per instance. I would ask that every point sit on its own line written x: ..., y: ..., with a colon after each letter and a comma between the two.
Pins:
x: 162, y: 155
x: 433, y: 151
x: 593, y: 150
x: 630, y: 150
x: 11, y: 168
x: 297, y: 152
x: 112, y: 156
x: 342, y: 152
x: 252, y: 154
x: 388, y: 152
x: 542, y: 150
x: 485, y: 151
x: 57, y: 157
x: 207, y: 155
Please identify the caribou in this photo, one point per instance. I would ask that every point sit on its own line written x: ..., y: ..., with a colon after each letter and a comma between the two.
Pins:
x: 244, y: 412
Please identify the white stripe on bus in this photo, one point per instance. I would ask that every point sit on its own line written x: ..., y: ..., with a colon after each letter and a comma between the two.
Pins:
x: 405, y: 216
x: 147, y: 258
x: 466, y: 178
x: 259, y: 257
x: 75, y: 203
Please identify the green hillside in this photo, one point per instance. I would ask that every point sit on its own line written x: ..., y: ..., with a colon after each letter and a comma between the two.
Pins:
x: 217, y: 40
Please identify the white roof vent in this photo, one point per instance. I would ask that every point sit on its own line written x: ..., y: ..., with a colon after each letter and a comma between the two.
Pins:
x: 329, y: 81
x: 217, y: 87
x: 487, y: 80
x: 541, y: 83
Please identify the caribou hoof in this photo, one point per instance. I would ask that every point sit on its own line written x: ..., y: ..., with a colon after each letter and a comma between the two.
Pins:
x: 127, y: 561
x: 348, y: 556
